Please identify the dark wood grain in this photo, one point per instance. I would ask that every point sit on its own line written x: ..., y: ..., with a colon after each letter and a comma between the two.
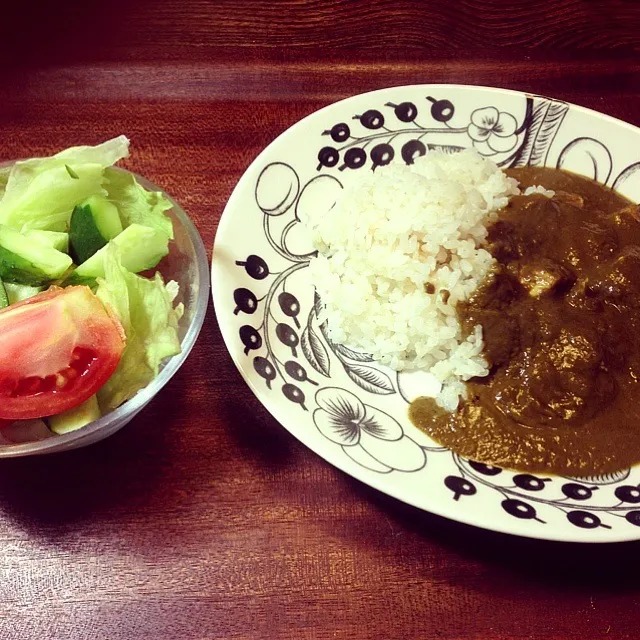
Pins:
x: 203, y: 518
x: 198, y: 29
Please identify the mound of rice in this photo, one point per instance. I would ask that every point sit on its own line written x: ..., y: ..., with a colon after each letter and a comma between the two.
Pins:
x: 396, y: 254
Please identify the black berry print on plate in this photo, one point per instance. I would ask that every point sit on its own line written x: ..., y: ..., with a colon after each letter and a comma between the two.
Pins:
x: 294, y: 394
x: 522, y: 490
x: 577, y: 491
x: 520, y: 509
x: 494, y: 133
x: 297, y: 372
x: 255, y: 267
x: 405, y: 111
x: 251, y: 338
x: 354, y: 158
x: 288, y: 337
x: 412, y: 150
x: 528, y: 482
x: 485, y: 469
x: 339, y: 132
x: 371, y: 119
x: 264, y: 369
x: 585, y: 520
x: 459, y: 486
x: 633, y: 517
x: 441, y: 110
x: 328, y: 157
x: 245, y: 300
x: 628, y: 493
x: 381, y: 155
x: 290, y: 306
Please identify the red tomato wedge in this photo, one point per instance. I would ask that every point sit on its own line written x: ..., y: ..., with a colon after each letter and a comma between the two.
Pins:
x: 56, y: 350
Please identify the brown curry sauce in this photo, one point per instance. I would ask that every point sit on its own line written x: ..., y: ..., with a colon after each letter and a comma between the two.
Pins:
x: 560, y: 316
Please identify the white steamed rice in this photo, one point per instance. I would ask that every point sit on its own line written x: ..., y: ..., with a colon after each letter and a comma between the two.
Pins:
x: 390, y: 234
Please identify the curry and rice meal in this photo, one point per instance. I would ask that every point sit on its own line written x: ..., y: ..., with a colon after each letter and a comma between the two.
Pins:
x: 517, y: 291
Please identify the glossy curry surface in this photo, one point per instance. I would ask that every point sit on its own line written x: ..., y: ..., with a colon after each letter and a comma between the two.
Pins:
x: 560, y: 316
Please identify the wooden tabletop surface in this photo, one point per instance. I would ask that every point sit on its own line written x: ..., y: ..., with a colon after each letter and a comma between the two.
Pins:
x: 204, y: 518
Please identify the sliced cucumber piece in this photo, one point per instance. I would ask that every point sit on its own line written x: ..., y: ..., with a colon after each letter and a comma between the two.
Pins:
x: 93, y: 224
x: 106, y: 216
x: 75, y: 418
x: 20, y: 292
x: 55, y: 239
x: 140, y: 247
x: 4, y: 297
x: 27, y: 262
x: 74, y: 280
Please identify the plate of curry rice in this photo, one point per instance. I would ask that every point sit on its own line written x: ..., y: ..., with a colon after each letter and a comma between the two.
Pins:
x: 436, y: 288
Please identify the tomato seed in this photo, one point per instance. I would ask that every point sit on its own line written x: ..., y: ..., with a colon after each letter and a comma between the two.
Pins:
x: 81, y: 360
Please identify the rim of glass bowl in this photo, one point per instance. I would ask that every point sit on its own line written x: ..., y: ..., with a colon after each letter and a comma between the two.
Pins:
x: 131, y: 407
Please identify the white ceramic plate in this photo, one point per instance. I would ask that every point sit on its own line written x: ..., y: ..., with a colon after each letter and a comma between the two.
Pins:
x: 347, y: 409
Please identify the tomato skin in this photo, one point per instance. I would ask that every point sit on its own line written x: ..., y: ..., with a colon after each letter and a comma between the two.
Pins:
x: 56, y: 350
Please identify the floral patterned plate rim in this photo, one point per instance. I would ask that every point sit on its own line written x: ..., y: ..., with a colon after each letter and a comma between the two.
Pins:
x: 337, y: 401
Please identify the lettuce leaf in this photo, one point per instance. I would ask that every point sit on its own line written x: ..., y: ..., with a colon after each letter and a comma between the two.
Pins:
x: 137, y: 205
x: 4, y: 178
x: 41, y: 193
x: 150, y: 321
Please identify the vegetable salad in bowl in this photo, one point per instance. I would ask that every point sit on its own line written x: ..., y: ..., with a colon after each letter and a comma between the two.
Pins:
x: 86, y: 319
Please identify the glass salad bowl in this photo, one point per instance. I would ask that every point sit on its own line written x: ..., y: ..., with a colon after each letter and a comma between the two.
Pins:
x: 187, y: 264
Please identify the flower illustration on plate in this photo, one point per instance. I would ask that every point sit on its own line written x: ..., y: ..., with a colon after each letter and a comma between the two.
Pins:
x: 369, y: 436
x: 492, y: 131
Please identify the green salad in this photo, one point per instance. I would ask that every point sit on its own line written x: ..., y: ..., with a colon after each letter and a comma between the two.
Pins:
x: 82, y: 329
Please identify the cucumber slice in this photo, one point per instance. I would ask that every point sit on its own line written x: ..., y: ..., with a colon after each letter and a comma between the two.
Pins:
x: 75, y: 418
x: 93, y: 224
x: 20, y: 292
x: 4, y: 298
x: 106, y: 216
x: 141, y: 248
x: 55, y: 239
x: 27, y: 262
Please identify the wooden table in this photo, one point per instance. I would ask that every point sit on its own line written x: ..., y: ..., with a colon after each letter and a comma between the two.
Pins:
x: 203, y: 518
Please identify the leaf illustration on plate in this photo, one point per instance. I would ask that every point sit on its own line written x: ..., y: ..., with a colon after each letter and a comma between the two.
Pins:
x: 605, y: 478
x: 448, y: 149
x: 544, y: 121
x: 317, y: 305
x: 314, y: 351
x: 369, y: 378
x: 340, y: 349
x: 549, y: 126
